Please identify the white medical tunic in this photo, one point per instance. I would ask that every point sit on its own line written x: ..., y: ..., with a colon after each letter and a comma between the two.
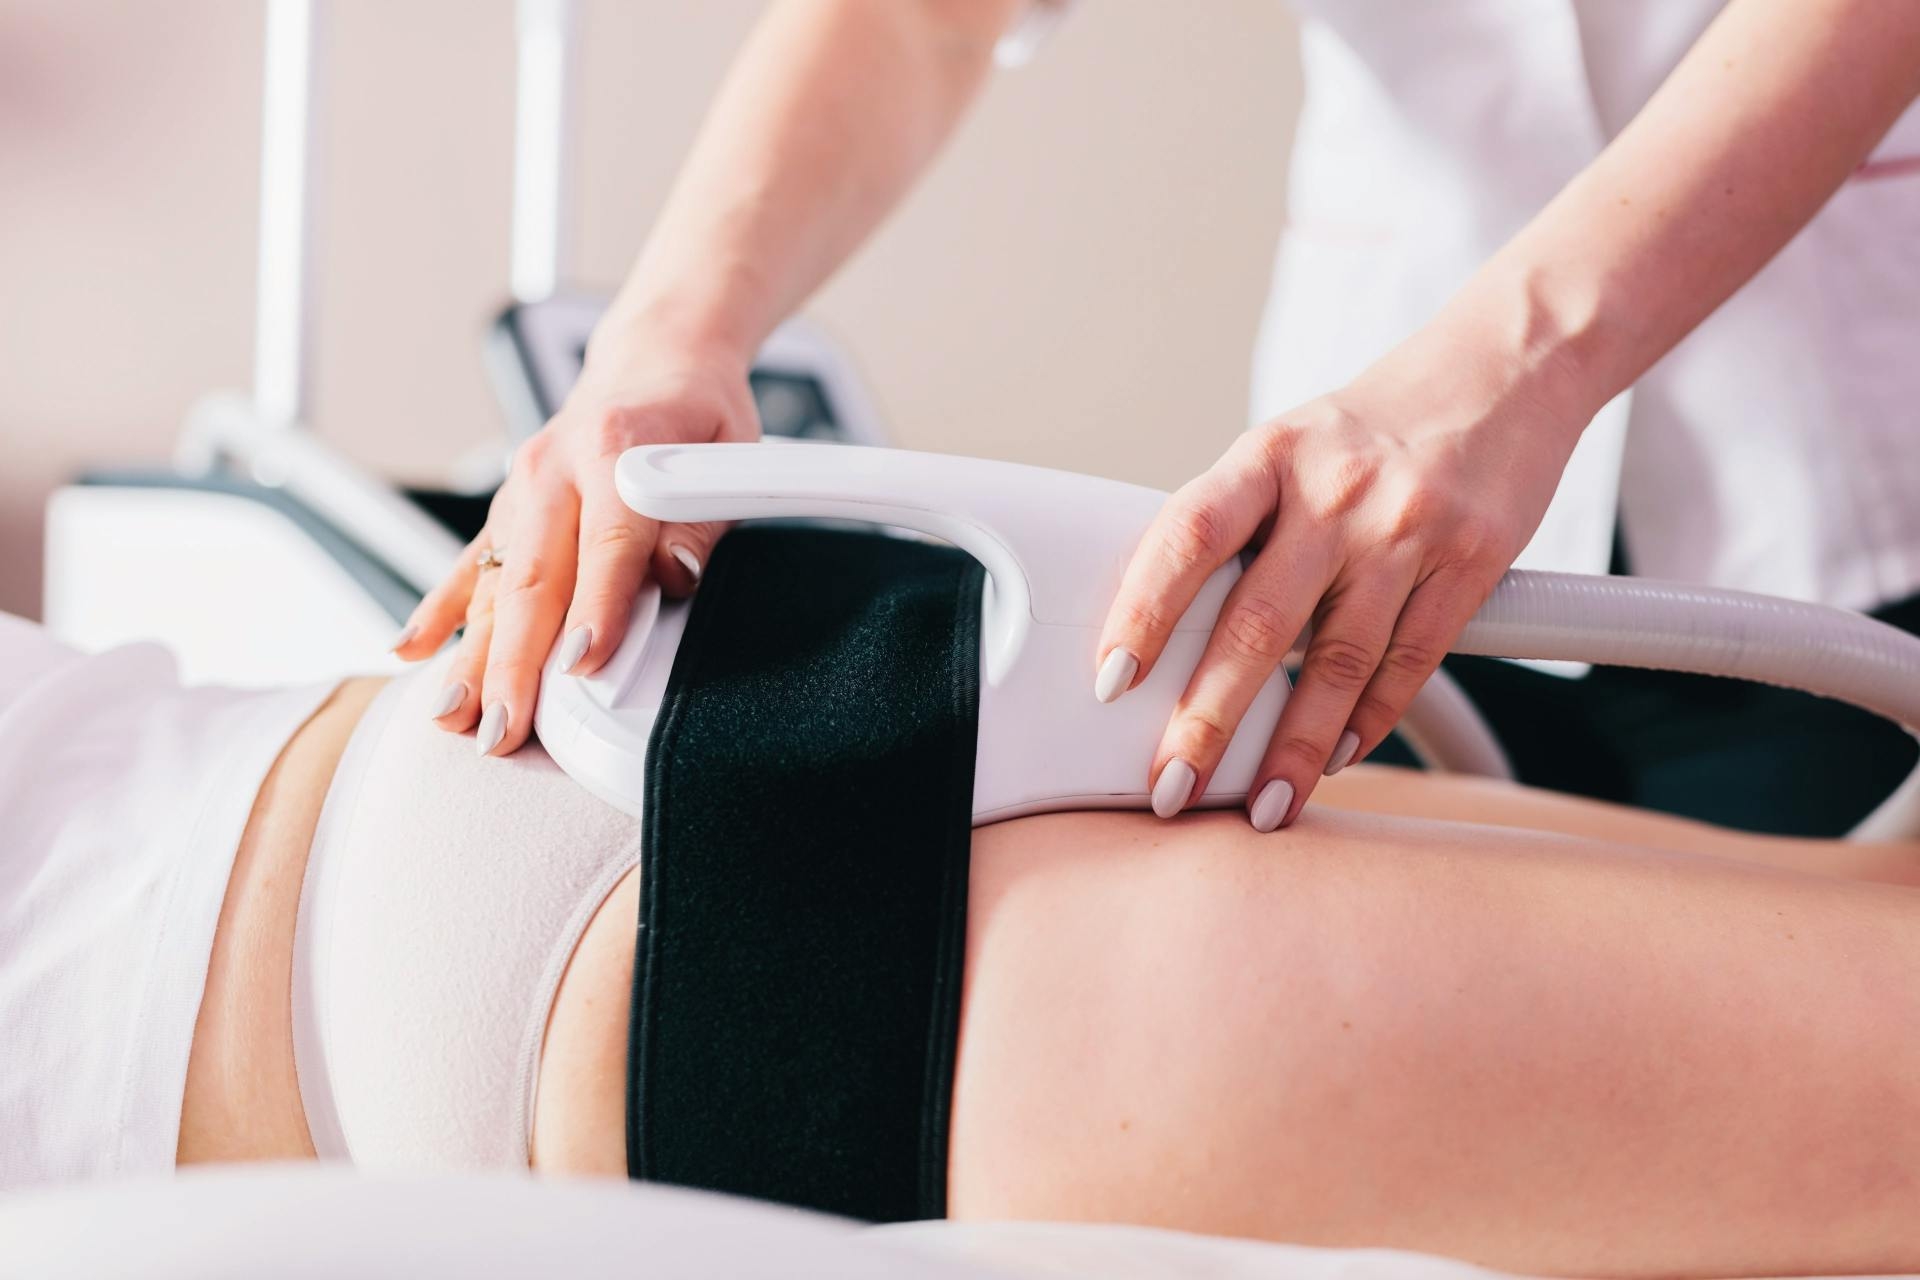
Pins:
x: 1776, y: 449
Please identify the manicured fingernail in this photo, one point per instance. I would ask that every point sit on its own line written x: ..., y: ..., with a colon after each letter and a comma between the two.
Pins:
x: 1271, y: 805
x: 1116, y: 674
x: 574, y: 648
x: 1343, y: 752
x: 493, y: 727
x: 1171, y: 792
x: 688, y: 561
x: 449, y: 700
x: 407, y: 633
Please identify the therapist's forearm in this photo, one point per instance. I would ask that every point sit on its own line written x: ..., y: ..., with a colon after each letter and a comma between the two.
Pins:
x: 1770, y: 111
x: 830, y: 111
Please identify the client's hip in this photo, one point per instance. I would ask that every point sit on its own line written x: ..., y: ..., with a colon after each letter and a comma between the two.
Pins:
x: 443, y: 900
x: 242, y: 1101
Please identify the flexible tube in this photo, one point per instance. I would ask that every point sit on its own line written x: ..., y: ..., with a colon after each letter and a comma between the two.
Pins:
x: 1446, y: 732
x: 1636, y: 622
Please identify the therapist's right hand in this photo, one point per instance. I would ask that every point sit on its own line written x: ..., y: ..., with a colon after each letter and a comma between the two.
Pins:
x: 572, y: 555
x: 1383, y: 514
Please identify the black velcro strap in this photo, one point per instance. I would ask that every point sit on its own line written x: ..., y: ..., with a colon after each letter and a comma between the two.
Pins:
x: 809, y: 798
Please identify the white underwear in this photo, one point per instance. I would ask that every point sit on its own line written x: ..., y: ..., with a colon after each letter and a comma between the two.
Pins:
x: 444, y: 896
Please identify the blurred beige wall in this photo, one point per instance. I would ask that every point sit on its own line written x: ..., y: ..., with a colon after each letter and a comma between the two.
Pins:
x: 1077, y: 283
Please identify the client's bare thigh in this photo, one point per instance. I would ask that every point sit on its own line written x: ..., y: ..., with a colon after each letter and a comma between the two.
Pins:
x: 1533, y: 1051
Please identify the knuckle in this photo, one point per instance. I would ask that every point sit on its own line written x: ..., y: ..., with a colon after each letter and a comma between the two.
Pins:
x: 1424, y: 510
x: 1254, y: 632
x: 704, y: 533
x: 1203, y: 736
x: 534, y: 452
x: 1373, y: 715
x: 1143, y: 618
x: 527, y: 575
x: 1461, y: 529
x: 1345, y: 664
x: 1273, y: 443
x: 1192, y: 535
x: 613, y: 538
x: 1349, y: 479
x: 1412, y: 658
x: 1296, y: 755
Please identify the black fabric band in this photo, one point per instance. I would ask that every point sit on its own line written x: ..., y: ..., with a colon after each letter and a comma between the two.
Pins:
x: 809, y: 796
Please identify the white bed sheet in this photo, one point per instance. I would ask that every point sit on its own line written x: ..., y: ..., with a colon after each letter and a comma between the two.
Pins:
x: 1047, y: 1250
x: 321, y: 1222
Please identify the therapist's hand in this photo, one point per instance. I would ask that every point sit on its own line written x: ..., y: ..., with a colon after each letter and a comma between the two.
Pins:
x: 573, y: 555
x: 1385, y: 513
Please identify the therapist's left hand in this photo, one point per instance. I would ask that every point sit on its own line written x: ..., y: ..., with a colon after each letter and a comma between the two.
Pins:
x: 1385, y: 513
x: 570, y: 556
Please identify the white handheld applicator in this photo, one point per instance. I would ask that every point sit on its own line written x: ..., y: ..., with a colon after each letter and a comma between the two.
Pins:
x: 1054, y: 545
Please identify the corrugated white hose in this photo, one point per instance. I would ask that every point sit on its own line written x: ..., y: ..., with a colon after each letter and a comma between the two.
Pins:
x: 1666, y: 626
x: 1447, y: 733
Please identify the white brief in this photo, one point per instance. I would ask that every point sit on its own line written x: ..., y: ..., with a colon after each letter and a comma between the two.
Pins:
x: 444, y: 896
x: 123, y: 797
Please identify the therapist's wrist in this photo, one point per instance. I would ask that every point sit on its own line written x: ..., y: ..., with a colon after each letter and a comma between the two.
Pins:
x: 1539, y: 334
x: 620, y: 340
x: 693, y: 328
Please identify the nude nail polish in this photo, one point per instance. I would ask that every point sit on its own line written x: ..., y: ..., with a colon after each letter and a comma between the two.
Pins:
x: 401, y: 641
x: 1174, y: 788
x: 1343, y: 752
x: 449, y: 700
x: 688, y: 561
x: 574, y: 648
x: 493, y: 727
x: 1271, y: 805
x: 1116, y: 675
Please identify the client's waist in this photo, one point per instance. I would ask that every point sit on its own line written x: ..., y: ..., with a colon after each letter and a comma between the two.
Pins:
x: 242, y: 1097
